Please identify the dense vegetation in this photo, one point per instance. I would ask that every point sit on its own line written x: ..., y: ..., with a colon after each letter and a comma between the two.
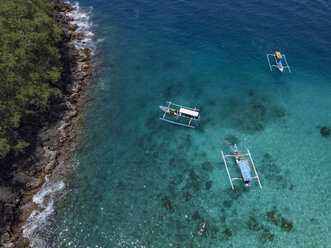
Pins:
x: 29, y: 67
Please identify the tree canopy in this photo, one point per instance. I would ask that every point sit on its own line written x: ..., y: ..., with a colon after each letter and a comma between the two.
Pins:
x: 29, y: 66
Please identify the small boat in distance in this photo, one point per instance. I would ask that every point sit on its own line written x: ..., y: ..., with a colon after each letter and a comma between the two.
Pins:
x: 180, y: 112
x: 243, y: 166
x: 202, y: 229
x: 278, y: 61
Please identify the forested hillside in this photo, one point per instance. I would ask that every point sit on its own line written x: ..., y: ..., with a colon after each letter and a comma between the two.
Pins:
x: 29, y: 67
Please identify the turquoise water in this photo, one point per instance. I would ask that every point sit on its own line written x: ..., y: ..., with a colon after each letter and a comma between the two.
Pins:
x: 140, y: 182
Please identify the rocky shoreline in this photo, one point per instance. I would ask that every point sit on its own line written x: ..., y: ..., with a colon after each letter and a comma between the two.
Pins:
x: 56, y: 138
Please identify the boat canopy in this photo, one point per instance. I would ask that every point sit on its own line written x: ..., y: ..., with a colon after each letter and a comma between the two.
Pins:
x: 189, y: 112
x: 245, y: 171
x: 279, y: 55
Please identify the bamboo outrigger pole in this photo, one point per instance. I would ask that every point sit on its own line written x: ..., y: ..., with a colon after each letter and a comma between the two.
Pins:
x: 257, y: 176
x: 227, y: 170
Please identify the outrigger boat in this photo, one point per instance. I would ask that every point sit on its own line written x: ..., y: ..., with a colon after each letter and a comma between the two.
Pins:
x: 278, y: 59
x: 244, y: 168
x: 180, y: 112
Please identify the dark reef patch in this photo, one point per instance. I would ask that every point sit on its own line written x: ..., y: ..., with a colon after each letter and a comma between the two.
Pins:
x: 228, y: 232
x: 325, y: 131
x: 196, y: 215
x: 187, y: 196
x: 258, y: 111
x: 231, y: 140
x: 286, y: 225
x: 208, y: 185
x: 277, y: 219
x: 194, y: 182
x: 222, y: 218
x: 207, y: 166
x: 265, y: 235
x: 169, y: 64
x: 227, y: 204
x: 166, y: 203
x: 272, y: 173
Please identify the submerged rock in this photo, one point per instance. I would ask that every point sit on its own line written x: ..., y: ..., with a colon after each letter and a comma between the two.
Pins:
x: 266, y: 236
x: 277, y: 219
x: 231, y: 140
x: 273, y: 216
x: 227, y: 232
x: 196, y: 215
x: 227, y: 204
x: 208, y: 185
x: 325, y: 131
x: 286, y: 225
x: 166, y: 203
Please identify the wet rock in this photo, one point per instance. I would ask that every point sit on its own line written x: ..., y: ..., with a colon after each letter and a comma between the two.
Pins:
x: 4, y: 237
x: 22, y: 242
x: 8, y: 245
x: 35, y: 183
x: 76, y: 36
x: 325, y: 131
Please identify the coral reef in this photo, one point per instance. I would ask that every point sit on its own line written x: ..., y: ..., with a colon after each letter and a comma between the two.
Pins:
x: 325, y: 131
x: 277, y: 219
x: 265, y: 234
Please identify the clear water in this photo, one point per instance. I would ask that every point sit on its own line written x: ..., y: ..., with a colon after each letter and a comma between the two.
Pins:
x: 141, y: 182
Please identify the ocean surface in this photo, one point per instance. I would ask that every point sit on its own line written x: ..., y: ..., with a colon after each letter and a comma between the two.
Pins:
x: 136, y: 181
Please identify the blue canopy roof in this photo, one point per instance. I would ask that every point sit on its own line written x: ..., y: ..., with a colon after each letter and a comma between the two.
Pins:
x: 244, y: 169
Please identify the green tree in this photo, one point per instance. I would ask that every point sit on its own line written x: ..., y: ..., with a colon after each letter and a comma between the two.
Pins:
x: 29, y: 66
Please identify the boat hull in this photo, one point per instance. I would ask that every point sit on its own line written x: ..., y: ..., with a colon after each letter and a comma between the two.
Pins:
x: 243, y: 167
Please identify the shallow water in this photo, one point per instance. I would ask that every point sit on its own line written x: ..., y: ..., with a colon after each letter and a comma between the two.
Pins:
x: 141, y: 182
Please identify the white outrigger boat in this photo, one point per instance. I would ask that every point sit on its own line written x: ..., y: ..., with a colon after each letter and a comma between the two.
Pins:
x: 244, y: 167
x: 278, y: 60
x: 180, y: 112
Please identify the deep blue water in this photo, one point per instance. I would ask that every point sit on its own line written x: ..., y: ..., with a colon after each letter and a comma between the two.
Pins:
x: 139, y: 182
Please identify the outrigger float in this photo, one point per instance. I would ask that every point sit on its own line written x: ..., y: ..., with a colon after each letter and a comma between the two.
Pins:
x: 279, y: 58
x: 192, y: 114
x: 243, y: 165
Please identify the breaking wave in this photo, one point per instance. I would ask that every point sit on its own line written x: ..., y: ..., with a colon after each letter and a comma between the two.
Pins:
x: 82, y: 18
x: 38, y: 219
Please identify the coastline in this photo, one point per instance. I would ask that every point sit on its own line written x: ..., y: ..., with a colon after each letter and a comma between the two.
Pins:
x: 56, y: 138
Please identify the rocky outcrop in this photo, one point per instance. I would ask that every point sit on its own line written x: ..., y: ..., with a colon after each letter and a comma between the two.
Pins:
x: 55, y: 139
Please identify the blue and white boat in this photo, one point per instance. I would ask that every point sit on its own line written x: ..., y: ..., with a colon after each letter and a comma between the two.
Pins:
x: 192, y: 114
x: 278, y: 61
x: 243, y: 165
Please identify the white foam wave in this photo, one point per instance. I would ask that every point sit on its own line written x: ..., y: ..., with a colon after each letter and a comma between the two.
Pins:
x: 81, y: 17
x: 38, y: 219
